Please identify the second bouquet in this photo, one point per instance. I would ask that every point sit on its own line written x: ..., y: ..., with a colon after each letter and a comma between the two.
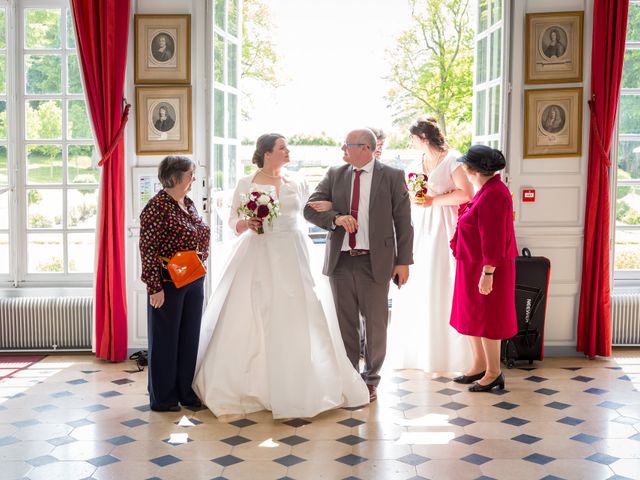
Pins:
x: 259, y: 205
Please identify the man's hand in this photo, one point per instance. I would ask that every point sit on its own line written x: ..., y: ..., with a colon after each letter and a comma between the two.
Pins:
x: 347, y: 222
x: 402, y: 271
x: 157, y: 299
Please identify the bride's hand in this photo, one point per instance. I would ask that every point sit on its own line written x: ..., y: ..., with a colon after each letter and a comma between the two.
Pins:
x: 248, y: 224
x: 321, y: 205
x: 425, y: 201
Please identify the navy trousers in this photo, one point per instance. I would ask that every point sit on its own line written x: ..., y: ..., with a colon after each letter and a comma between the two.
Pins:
x: 174, y: 330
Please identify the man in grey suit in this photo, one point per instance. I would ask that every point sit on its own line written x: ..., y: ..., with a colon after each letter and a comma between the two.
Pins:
x: 370, y: 241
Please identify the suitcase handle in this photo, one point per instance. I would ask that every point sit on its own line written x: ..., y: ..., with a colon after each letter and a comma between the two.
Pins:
x: 526, y: 252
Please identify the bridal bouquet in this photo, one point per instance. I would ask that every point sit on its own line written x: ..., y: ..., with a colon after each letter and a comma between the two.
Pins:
x: 417, y: 183
x: 258, y: 205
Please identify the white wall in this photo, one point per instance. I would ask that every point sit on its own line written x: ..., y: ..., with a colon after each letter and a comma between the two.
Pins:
x: 553, y: 225
x: 136, y: 293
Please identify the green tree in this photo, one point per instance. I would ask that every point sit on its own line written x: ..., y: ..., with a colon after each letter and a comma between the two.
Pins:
x: 304, y: 139
x: 431, y: 67
x: 259, y: 61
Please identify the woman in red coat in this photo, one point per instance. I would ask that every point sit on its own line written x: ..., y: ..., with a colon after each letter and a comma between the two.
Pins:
x: 484, y: 246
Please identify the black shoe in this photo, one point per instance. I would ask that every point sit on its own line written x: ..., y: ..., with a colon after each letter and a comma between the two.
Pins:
x: 172, y: 408
x: 468, y: 378
x: 498, y: 382
x: 196, y: 404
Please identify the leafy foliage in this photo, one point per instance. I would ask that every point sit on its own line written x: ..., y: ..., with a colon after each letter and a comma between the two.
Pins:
x: 304, y: 139
x: 431, y: 68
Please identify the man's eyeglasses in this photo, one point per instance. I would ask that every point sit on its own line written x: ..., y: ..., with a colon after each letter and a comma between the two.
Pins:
x: 349, y: 145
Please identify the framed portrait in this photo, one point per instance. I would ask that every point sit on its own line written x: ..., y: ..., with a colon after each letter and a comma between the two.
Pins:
x: 553, y: 47
x: 162, y: 49
x: 163, y: 120
x: 553, y: 123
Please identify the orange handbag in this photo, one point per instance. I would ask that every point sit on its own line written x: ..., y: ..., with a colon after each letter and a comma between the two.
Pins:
x: 184, y: 268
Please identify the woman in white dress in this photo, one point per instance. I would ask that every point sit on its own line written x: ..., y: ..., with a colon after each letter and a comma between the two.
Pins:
x: 267, y: 341
x: 420, y: 335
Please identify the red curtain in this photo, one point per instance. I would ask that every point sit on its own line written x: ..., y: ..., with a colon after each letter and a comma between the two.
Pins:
x: 102, y: 30
x: 609, y: 34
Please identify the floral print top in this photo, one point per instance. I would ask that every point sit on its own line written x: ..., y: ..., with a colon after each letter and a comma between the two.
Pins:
x: 166, y: 229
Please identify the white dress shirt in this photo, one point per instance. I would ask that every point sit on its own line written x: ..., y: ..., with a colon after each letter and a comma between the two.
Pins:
x: 362, y: 235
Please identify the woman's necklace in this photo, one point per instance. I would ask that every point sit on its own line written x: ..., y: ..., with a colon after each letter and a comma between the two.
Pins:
x: 428, y: 166
x: 270, y: 176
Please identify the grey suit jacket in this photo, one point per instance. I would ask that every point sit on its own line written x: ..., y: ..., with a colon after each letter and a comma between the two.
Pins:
x: 390, y: 228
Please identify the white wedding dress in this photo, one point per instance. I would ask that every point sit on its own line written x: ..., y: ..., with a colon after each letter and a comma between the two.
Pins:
x: 267, y: 342
x: 419, y: 334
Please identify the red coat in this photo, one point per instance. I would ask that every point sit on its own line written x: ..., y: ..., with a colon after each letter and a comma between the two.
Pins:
x: 485, y: 236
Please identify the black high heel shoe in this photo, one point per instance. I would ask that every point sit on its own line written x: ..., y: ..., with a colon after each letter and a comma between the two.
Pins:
x: 498, y: 382
x: 466, y: 379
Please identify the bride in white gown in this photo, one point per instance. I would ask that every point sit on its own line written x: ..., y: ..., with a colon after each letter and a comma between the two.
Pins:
x: 267, y: 341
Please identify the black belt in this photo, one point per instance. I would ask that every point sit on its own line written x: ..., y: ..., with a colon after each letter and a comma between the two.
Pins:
x: 356, y: 252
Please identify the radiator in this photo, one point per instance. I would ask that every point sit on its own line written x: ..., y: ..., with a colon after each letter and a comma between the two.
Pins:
x: 45, y: 323
x: 625, y: 319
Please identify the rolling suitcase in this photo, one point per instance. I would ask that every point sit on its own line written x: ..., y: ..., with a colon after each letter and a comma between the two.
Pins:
x: 532, y: 285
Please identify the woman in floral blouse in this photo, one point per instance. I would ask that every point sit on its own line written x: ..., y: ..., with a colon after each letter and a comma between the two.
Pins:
x: 170, y: 223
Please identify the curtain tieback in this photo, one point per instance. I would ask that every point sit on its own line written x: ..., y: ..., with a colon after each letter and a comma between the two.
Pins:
x: 594, y: 124
x: 116, y: 139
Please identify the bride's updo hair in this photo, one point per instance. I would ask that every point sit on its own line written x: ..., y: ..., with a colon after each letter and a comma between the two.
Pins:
x: 264, y: 144
x: 428, y: 130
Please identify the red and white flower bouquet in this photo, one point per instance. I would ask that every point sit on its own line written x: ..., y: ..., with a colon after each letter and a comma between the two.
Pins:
x: 258, y: 205
x: 417, y: 183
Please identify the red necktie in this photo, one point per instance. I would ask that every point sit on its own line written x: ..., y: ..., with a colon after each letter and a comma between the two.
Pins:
x: 355, y: 200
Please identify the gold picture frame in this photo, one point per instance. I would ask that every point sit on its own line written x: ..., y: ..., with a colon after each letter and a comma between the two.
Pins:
x: 553, y: 47
x: 553, y: 123
x: 162, y: 49
x: 163, y: 120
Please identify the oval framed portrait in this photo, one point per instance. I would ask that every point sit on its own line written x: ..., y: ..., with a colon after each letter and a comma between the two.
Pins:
x: 163, y: 47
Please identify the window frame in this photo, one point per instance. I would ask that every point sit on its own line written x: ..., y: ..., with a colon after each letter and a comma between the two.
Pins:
x: 18, y: 98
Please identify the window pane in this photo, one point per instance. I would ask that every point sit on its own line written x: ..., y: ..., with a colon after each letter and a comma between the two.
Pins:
x: 631, y: 69
x: 3, y: 28
x: 483, y: 15
x: 4, y: 212
x: 627, y: 250
x: 78, y: 126
x: 4, y: 168
x: 44, y: 119
x: 494, y: 113
x: 4, y: 253
x: 81, y: 165
x: 44, y: 164
x: 218, y: 113
x: 44, y: 253
x: 81, y: 248
x: 71, y: 31
x: 218, y: 166
x: 220, y: 13
x: 74, y: 84
x: 218, y: 59
x: 481, y: 67
x: 628, y: 159
x: 496, y: 11
x: 44, y: 208
x: 3, y: 120
x: 233, y: 166
x: 42, y: 28
x: 3, y: 74
x: 628, y: 205
x: 82, y: 207
x: 232, y: 27
x: 43, y: 73
x: 629, y: 114
x: 480, y: 112
x: 232, y: 131
x: 633, y: 23
x: 496, y: 54
x: 232, y: 52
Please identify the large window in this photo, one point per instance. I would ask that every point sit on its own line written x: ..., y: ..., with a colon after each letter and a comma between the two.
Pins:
x: 488, y: 81
x: 627, y: 154
x: 225, y: 76
x: 51, y: 173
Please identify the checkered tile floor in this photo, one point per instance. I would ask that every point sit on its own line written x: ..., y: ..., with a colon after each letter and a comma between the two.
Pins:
x: 69, y: 417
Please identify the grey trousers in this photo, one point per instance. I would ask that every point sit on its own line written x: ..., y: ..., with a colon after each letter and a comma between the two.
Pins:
x: 355, y: 292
